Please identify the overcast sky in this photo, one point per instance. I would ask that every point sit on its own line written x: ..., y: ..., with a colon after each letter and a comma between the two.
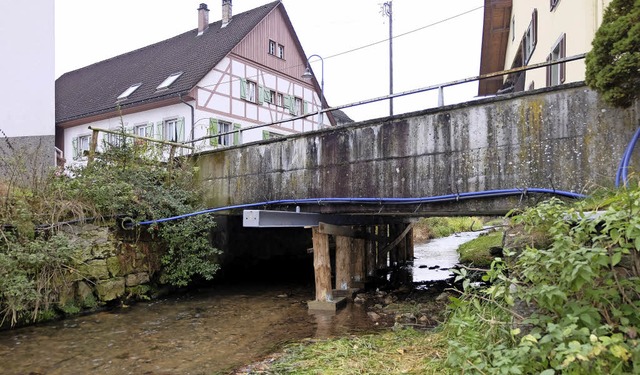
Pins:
x: 88, y: 31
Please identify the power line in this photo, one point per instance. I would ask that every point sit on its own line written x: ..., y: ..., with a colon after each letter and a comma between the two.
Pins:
x: 371, y: 44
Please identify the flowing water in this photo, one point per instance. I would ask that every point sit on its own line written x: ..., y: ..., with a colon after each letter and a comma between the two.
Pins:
x: 434, y: 259
x: 210, y: 331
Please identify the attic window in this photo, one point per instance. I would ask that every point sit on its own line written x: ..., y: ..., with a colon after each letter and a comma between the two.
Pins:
x: 129, y: 91
x: 167, y: 82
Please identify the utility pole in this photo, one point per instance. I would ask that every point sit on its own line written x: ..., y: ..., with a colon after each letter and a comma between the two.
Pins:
x: 387, y: 10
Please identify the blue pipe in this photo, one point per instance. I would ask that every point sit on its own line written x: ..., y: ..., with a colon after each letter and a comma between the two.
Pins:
x: 621, y: 175
x: 380, y: 201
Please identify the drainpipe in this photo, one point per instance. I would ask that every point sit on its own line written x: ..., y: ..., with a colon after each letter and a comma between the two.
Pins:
x: 192, y: 115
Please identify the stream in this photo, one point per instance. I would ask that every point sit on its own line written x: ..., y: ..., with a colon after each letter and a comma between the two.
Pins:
x: 208, y: 331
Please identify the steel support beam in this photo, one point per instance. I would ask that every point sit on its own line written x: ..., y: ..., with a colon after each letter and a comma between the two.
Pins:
x: 290, y: 219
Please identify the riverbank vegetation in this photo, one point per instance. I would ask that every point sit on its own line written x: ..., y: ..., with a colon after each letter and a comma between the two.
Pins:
x: 437, y: 227
x: 563, y: 300
x: 38, y: 257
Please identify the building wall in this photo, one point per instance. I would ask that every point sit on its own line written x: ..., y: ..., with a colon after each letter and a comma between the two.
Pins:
x: 217, y: 97
x: 27, y: 113
x: 578, y: 19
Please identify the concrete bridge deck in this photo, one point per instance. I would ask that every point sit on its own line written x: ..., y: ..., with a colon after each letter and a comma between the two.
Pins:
x: 562, y: 138
x: 558, y: 139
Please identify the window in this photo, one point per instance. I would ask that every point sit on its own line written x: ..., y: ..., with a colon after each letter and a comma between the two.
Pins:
x: 170, y: 130
x: 530, y: 38
x: 168, y: 81
x: 553, y: 3
x: 251, y: 91
x: 281, y: 51
x: 125, y: 94
x: 279, y: 100
x: 556, y: 74
x: 80, y: 146
x: 144, y: 130
x: 298, y: 108
x: 270, y: 96
x: 220, y: 127
x: 270, y: 135
x: 272, y: 47
x: 114, y: 140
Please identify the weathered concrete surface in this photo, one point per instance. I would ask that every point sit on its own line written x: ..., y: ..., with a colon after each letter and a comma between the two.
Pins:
x: 564, y: 138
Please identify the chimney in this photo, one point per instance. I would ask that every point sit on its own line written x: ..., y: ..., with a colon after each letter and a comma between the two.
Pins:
x: 226, y: 12
x: 203, y: 19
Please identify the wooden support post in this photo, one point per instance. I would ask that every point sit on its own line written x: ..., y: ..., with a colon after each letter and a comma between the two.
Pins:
x: 359, y: 275
x: 92, y: 146
x: 393, y: 252
x: 402, y: 247
x: 410, y: 254
x: 370, y: 258
x: 343, y: 263
x: 382, y: 255
x: 322, y: 266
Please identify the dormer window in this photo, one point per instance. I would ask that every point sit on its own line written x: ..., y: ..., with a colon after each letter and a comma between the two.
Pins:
x: 129, y: 91
x: 167, y: 82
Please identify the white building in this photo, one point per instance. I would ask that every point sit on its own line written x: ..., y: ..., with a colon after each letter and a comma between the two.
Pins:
x: 234, y: 74
x: 27, y: 96
x: 525, y: 32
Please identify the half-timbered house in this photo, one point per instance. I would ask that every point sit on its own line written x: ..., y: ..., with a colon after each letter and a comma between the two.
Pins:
x: 238, y: 72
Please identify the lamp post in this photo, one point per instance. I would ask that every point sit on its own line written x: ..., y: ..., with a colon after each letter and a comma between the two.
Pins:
x: 308, y: 75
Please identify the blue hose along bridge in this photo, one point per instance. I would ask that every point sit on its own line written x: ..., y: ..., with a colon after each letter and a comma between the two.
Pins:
x: 363, y: 182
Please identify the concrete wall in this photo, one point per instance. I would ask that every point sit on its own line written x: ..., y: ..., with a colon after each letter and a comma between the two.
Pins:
x: 27, y: 97
x: 564, y: 138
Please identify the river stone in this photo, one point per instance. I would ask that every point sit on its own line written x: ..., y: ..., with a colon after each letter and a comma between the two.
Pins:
x: 95, y: 269
x: 137, y: 279
x: 111, y: 289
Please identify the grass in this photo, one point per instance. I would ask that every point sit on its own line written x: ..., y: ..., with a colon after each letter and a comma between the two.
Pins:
x: 476, y: 251
x: 403, y: 351
x: 436, y: 227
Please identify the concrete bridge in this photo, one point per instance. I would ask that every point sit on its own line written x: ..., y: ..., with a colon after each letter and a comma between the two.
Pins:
x: 385, y: 170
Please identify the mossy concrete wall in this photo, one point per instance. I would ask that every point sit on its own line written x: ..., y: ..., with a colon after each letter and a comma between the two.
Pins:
x: 565, y: 138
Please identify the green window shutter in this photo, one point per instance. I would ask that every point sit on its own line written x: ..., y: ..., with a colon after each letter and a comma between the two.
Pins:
x: 306, y: 108
x: 149, y: 130
x: 236, y: 135
x: 265, y: 134
x: 287, y: 102
x: 213, y: 130
x: 292, y: 106
x: 243, y: 88
x: 159, y: 129
x: 180, y: 130
x: 74, y: 146
x: 261, y: 91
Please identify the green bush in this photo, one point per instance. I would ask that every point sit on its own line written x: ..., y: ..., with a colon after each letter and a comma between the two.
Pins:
x: 569, y: 308
x: 613, y: 65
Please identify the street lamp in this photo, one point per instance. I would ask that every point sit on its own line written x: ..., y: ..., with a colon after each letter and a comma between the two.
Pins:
x: 308, y: 75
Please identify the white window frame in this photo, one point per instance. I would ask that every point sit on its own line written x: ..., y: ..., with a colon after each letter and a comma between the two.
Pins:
x: 251, y: 91
x: 83, y: 144
x: 141, y: 130
x: 530, y: 38
x: 225, y: 127
x: 272, y: 47
x: 169, y: 129
x: 281, y: 51
x: 298, y: 106
x: 280, y: 99
x: 557, y: 74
